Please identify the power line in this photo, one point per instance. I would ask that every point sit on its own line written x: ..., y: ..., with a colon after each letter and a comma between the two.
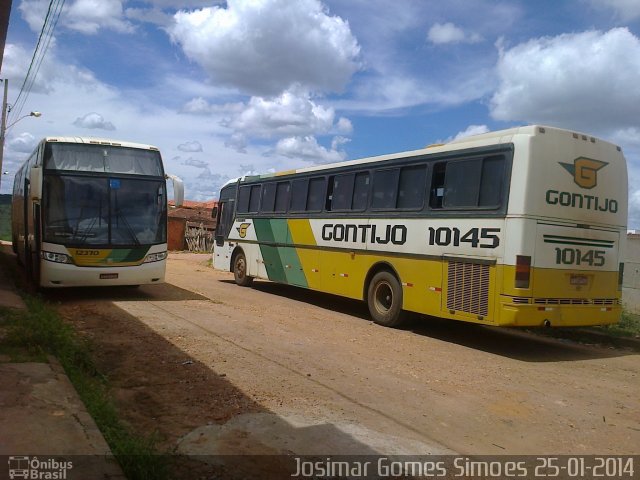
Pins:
x: 44, y: 39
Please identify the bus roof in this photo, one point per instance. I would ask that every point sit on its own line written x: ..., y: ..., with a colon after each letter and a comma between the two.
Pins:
x: 480, y: 140
x: 100, y: 141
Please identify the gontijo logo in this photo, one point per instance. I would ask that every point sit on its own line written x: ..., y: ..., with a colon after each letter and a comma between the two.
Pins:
x: 242, y: 229
x: 584, y: 171
x: 585, y: 174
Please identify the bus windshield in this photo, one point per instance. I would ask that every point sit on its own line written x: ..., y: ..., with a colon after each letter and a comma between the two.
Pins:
x: 99, y: 211
x: 102, y: 158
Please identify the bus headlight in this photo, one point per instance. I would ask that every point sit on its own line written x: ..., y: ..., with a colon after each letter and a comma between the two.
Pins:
x: 56, y: 257
x: 155, y: 257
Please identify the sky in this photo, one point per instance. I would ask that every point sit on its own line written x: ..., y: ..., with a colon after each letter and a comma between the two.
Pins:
x: 227, y: 88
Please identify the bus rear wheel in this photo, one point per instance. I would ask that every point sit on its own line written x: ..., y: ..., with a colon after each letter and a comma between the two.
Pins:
x: 384, y: 299
x: 240, y: 270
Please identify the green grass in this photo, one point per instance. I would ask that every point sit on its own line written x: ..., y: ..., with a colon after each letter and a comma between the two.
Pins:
x: 629, y: 326
x: 5, y: 222
x: 31, y: 335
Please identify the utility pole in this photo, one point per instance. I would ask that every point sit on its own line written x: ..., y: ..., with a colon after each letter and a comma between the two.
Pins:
x: 3, y: 123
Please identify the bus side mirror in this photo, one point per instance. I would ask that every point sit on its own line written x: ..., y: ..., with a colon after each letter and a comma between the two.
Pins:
x: 35, y: 184
x: 178, y: 190
x: 214, y: 212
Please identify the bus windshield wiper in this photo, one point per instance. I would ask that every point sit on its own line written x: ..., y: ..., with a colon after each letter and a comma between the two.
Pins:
x: 130, y: 231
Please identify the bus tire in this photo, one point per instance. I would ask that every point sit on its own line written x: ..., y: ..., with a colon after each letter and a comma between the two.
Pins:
x: 384, y: 299
x: 240, y: 270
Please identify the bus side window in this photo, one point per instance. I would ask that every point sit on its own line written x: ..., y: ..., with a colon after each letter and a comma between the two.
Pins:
x: 413, y: 181
x: 437, y: 185
x: 342, y: 192
x: 268, y: 197
x: 227, y: 218
x: 315, y: 197
x: 361, y: 191
x: 299, y: 195
x: 243, y: 199
x: 492, y: 180
x: 220, y: 225
x: 462, y: 183
x: 254, y: 198
x: 282, y: 196
x: 385, y: 189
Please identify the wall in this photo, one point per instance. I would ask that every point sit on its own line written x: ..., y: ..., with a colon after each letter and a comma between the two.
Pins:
x: 175, y: 235
x: 631, y: 281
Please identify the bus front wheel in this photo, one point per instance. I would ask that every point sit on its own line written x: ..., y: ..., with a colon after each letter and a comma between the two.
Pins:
x: 240, y: 270
x: 384, y: 299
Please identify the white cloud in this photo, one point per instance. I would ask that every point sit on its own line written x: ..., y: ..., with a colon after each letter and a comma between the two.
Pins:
x: 344, y: 125
x: 586, y: 81
x: 626, y: 10
x: 390, y: 92
x: 470, y: 131
x: 194, y: 162
x: 16, y: 63
x: 308, y: 149
x: 94, y: 120
x: 194, y: 146
x: 238, y: 142
x: 337, y: 141
x: 265, y: 46
x: 149, y: 15
x: 89, y: 16
x: 177, y: 4
x: 293, y: 113
x: 85, y: 16
x: 200, y: 106
x: 441, y: 33
x: 23, y: 143
x: 140, y: 118
x: 33, y: 12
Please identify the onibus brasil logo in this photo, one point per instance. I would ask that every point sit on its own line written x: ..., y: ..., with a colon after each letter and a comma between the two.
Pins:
x: 584, y: 171
x: 34, y: 468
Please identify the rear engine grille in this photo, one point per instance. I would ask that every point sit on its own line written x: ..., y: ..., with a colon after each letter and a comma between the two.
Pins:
x: 468, y: 288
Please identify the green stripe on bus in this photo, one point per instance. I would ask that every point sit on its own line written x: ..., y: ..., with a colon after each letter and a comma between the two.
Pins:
x: 128, y: 254
x: 270, y: 255
x: 282, y: 262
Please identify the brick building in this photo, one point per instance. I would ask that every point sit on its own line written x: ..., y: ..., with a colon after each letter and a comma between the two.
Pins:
x: 189, y: 215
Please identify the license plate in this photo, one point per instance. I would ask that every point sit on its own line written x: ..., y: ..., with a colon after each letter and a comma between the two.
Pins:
x: 579, y: 280
x: 108, y: 276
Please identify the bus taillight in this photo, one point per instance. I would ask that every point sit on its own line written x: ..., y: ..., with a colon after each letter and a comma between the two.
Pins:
x: 523, y: 271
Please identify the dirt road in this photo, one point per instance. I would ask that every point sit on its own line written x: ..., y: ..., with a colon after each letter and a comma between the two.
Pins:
x: 217, y: 368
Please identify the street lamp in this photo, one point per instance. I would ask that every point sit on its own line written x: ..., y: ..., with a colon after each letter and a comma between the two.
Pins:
x: 32, y: 114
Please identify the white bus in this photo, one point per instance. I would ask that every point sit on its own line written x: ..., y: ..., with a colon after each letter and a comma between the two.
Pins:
x: 89, y: 212
x: 521, y: 227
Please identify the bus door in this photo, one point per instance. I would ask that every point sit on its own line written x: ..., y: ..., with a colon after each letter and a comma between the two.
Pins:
x: 224, y: 222
x: 31, y: 235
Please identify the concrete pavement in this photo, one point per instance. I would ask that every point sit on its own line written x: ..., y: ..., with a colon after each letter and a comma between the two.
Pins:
x: 44, y: 426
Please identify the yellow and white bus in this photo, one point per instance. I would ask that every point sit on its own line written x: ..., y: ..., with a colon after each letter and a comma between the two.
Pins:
x: 520, y: 227
x: 89, y: 212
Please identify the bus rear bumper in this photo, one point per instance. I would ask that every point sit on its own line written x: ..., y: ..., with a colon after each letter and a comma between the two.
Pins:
x: 532, y: 315
x: 58, y: 275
